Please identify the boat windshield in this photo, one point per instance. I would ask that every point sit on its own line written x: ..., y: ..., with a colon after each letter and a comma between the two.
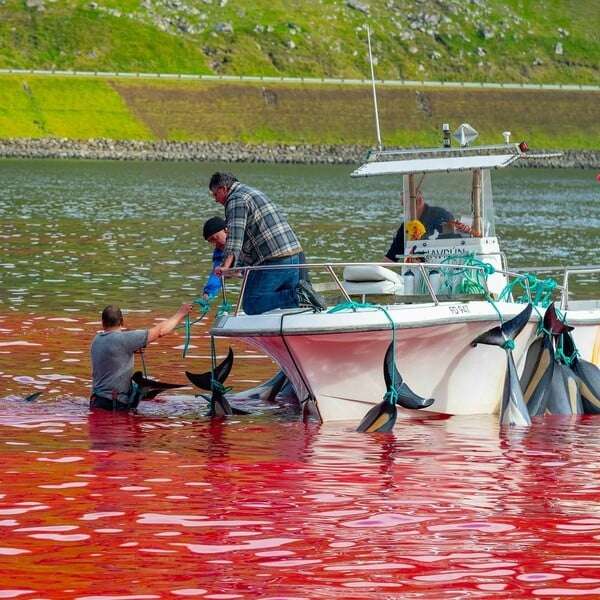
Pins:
x: 466, y: 195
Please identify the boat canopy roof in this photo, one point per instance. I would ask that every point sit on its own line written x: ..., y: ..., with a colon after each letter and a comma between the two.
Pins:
x: 436, y: 164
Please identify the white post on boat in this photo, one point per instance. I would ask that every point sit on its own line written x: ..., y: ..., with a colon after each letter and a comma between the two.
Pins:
x: 412, y: 191
x: 374, y: 92
x: 476, y: 201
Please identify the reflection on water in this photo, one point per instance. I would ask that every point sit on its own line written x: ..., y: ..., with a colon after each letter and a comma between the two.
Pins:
x: 113, y: 505
x: 78, y: 234
x: 168, y: 503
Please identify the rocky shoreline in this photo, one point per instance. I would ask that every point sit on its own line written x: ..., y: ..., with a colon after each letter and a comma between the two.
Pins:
x: 104, y: 149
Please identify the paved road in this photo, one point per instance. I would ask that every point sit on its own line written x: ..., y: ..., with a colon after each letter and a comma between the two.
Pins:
x: 314, y: 80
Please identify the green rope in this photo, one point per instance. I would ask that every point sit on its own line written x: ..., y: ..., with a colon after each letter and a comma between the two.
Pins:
x: 559, y: 353
x: 526, y: 288
x: 204, y: 307
x: 143, y: 362
x: 535, y: 291
x: 473, y: 281
x: 213, y: 353
x: 215, y: 384
x: 226, y: 306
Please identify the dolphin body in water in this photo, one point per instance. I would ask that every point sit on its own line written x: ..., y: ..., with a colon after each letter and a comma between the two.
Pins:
x: 219, y: 403
x: 32, y: 397
x: 268, y: 390
x: 513, y: 410
x: 382, y: 417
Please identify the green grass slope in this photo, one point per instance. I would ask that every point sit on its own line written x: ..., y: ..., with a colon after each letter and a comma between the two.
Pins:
x: 540, y: 41
x: 81, y: 107
x: 513, y: 41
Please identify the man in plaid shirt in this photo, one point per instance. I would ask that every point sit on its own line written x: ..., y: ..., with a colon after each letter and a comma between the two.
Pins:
x: 259, y: 234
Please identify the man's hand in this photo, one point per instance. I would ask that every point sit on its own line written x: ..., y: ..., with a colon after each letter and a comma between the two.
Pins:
x: 226, y: 265
x: 185, y: 309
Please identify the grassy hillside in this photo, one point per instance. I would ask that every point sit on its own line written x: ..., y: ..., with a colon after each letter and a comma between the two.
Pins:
x: 518, y: 41
x: 540, y: 41
x: 302, y: 113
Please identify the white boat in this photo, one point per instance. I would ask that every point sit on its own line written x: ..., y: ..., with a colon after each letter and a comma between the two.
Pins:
x: 447, y: 290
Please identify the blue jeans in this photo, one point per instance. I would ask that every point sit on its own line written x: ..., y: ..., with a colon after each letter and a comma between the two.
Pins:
x: 271, y: 288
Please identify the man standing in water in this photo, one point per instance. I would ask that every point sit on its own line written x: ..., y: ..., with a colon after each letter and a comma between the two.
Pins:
x: 259, y: 234
x: 112, y: 353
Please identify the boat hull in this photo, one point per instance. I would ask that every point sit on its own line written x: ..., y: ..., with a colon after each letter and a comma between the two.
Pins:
x: 335, y: 360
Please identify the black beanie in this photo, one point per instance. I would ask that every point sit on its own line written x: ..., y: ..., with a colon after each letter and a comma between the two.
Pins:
x: 212, y: 226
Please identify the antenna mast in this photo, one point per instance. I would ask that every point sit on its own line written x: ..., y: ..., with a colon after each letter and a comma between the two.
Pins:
x: 374, y: 92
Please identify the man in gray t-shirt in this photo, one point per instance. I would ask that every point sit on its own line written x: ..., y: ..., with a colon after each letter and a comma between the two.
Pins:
x: 112, y: 353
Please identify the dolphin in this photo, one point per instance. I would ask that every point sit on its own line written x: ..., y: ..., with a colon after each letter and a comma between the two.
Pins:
x: 406, y: 398
x: 382, y: 417
x: 588, y: 378
x: 587, y: 374
x: 536, y: 378
x: 220, y: 373
x: 379, y: 418
x: 563, y: 396
x: 32, y: 397
x: 266, y: 391
x: 213, y: 381
x: 513, y: 410
x: 537, y: 374
x: 152, y: 388
x: 148, y: 389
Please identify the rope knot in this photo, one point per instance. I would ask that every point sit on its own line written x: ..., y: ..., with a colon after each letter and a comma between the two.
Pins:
x: 391, y: 396
x: 215, y: 384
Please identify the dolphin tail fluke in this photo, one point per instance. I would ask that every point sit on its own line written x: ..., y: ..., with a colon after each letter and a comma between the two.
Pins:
x: 150, y: 384
x: 405, y: 397
x: 553, y: 324
x: 200, y: 380
x: 568, y: 347
x: 219, y: 373
x: 223, y: 369
x: 408, y: 399
x: 213, y: 381
x: 509, y: 330
x: 148, y: 389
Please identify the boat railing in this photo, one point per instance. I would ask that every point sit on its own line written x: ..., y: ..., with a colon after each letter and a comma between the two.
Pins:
x: 571, y: 272
x: 329, y: 280
x: 568, y: 274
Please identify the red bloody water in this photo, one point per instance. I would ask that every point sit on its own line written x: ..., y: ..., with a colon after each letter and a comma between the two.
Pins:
x: 168, y: 503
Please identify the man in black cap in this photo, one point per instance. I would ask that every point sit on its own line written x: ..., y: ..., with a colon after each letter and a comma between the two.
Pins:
x: 215, y: 233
